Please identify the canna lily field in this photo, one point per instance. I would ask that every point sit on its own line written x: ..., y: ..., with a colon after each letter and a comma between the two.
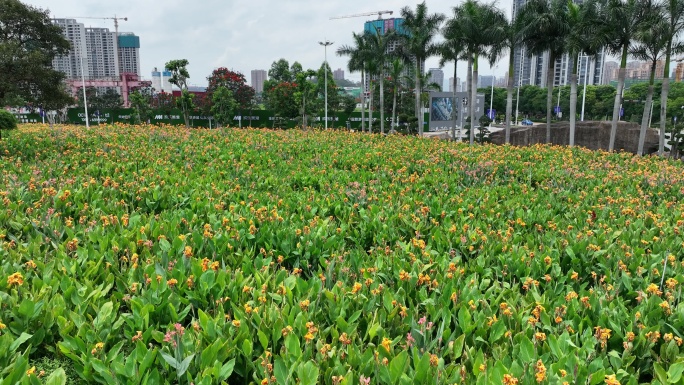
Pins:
x: 160, y: 255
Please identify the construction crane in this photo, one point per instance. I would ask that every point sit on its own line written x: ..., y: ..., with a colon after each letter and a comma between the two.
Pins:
x: 116, y: 21
x: 379, y: 13
x: 116, y: 33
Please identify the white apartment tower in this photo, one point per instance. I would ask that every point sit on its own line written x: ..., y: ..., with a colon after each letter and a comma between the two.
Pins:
x: 70, y: 64
x: 102, y: 58
x: 101, y: 51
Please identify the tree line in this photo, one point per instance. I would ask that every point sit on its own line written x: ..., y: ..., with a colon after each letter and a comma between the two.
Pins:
x: 643, y: 29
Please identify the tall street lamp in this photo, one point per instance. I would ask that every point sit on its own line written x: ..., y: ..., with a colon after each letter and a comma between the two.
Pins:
x: 85, y: 100
x: 325, y: 45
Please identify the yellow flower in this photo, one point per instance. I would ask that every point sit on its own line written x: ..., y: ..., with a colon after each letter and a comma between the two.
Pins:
x: 611, y: 380
x: 509, y: 380
x: 386, y: 343
x: 31, y: 371
x: 15, y: 279
x: 236, y: 323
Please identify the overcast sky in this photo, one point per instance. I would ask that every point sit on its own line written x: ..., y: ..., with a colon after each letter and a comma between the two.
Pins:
x: 244, y: 35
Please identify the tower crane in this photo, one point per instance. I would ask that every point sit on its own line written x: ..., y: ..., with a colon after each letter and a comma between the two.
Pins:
x: 379, y: 13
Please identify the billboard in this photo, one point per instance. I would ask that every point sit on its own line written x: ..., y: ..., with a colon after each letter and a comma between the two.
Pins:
x: 448, y: 107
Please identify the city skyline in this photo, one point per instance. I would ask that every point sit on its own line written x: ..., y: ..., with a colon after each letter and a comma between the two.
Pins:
x: 213, y: 34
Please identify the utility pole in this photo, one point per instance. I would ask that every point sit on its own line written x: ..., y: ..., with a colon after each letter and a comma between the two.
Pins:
x: 325, y: 45
x: 584, y: 92
x: 85, y: 100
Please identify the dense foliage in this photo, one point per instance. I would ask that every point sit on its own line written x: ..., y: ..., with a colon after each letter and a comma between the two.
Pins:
x: 28, y: 44
x: 7, y: 121
x: 162, y: 255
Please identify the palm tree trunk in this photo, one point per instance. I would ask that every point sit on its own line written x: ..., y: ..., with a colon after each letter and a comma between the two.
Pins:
x: 370, y: 108
x: 663, y: 98
x: 573, y: 99
x: 509, y: 94
x: 469, y: 87
x: 394, y: 109
x: 382, y: 104
x: 473, y: 100
x: 454, y: 107
x: 550, y: 74
x: 647, y: 111
x: 417, y: 89
x: 363, y: 101
x: 618, y: 98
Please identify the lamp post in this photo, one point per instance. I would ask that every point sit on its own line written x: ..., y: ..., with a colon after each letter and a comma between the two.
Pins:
x: 584, y: 91
x: 85, y: 100
x: 325, y: 45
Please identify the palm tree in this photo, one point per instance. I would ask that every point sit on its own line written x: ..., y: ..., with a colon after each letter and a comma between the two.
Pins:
x: 451, y: 50
x: 421, y: 29
x: 622, y: 18
x: 652, y: 40
x: 584, y: 35
x: 508, y: 38
x: 378, y: 47
x: 478, y: 27
x: 396, y: 69
x: 546, y: 28
x: 358, y: 61
x: 675, y: 21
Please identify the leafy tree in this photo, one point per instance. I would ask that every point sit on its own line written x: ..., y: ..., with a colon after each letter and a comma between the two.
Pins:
x: 7, y: 121
x: 280, y: 98
x: 164, y: 102
x: 304, y: 94
x: 421, y: 29
x: 347, y: 103
x: 223, y: 105
x: 235, y: 82
x: 280, y: 72
x: 140, y: 102
x: 546, y: 28
x: 28, y: 44
x: 179, y: 78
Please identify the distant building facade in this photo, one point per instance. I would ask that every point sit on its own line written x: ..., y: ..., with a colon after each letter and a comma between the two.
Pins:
x: 129, y: 53
x: 338, y: 74
x: 258, y: 79
x: 437, y: 77
x: 103, y: 54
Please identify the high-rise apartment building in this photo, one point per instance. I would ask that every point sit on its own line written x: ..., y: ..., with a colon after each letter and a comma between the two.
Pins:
x: 383, y: 26
x: 437, y: 77
x: 129, y: 53
x: 72, y: 63
x: 102, y: 58
x: 338, y: 74
x: 258, y: 79
x: 105, y: 55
